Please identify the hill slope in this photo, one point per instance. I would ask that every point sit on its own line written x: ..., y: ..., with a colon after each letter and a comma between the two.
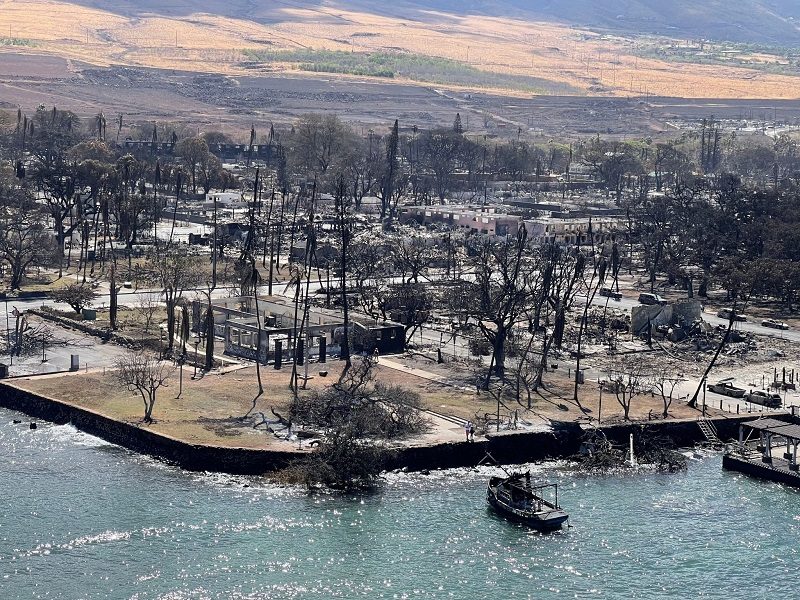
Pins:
x: 514, y: 46
x: 754, y: 21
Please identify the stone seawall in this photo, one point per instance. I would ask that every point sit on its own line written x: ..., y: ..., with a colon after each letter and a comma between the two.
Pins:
x: 510, y: 447
x: 245, y: 461
x: 506, y: 447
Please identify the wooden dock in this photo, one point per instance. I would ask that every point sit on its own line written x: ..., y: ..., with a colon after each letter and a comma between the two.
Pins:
x: 772, y: 455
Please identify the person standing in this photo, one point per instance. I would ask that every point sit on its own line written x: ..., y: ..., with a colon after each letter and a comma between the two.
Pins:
x: 467, y: 428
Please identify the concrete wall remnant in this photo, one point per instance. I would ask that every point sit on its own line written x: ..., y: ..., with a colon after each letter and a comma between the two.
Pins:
x: 680, y: 313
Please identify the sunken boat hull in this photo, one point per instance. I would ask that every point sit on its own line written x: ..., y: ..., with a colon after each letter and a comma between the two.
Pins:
x: 512, y: 499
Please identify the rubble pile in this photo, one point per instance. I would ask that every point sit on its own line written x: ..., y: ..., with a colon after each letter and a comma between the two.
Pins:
x: 598, y: 454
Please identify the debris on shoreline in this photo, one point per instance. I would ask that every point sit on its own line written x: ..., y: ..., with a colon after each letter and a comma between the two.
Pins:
x: 598, y: 453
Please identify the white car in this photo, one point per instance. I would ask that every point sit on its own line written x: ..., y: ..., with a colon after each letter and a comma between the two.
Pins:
x: 774, y: 324
x: 725, y: 313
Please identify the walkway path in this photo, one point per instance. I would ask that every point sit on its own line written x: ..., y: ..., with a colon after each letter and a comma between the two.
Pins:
x: 421, y: 373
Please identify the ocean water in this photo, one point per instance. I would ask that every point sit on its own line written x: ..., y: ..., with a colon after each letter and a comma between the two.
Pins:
x: 81, y: 519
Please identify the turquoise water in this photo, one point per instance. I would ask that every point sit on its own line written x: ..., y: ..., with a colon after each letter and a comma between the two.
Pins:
x: 83, y: 519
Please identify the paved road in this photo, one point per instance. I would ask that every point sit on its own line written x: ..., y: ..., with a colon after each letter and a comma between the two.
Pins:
x: 450, y: 344
x: 626, y: 304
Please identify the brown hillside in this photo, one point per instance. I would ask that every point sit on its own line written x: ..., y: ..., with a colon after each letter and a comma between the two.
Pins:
x: 558, y: 58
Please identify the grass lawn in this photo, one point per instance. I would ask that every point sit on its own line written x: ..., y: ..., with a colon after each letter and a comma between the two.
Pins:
x: 211, y: 408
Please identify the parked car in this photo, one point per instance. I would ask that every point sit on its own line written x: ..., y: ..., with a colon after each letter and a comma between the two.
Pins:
x: 725, y: 313
x: 726, y: 388
x: 765, y: 399
x: 648, y: 298
x: 774, y: 324
x: 609, y: 293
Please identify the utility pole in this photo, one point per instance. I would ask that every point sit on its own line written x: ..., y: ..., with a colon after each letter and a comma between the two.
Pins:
x: 600, y: 405
x: 214, y: 253
x: 181, y: 360
x: 498, y: 410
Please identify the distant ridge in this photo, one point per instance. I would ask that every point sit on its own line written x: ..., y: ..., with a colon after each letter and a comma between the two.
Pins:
x: 774, y: 22
x: 519, y: 47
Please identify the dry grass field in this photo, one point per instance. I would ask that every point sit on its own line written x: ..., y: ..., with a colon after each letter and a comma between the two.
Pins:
x: 174, y: 38
x: 209, y: 409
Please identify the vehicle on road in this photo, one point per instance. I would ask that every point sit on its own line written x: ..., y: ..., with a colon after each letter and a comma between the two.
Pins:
x: 765, y: 399
x: 725, y: 313
x: 775, y: 324
x: 609, y: 293
x: 651, y: 299
x: 726, y: 388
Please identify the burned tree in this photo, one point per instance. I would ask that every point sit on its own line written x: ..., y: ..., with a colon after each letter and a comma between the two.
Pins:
x: 504, y: 280
x: 341, y: 461
x: 175, y: 272
x: 591, y: 287
x: 627, y: 380
x: 75, y: 295
x: 362, y: 408
x: 144, y: 374
x: 147, y: 306
x: 439, y: 154
x: 24, y: 241
x: 344, y: 223
x: 665, y: 383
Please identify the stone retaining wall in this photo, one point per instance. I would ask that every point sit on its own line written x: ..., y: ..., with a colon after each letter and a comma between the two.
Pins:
x: 101, y: 332
x: 506, y: 447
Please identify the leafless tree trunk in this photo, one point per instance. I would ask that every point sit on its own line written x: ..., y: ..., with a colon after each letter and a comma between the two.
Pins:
x: 145, y: 374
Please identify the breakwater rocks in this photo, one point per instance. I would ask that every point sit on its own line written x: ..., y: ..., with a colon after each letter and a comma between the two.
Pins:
x: 506, y: 447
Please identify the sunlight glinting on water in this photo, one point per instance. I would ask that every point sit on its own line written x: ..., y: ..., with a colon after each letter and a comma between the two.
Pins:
x: 84, y: 519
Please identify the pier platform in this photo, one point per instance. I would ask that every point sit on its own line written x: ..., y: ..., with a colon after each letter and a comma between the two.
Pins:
x: 767, y: 448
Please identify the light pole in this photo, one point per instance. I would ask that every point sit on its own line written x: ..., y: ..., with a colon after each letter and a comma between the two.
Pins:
x: 8, y: 333
x: 600, y: 405
x: 704, y: 397
x: 181, y: 360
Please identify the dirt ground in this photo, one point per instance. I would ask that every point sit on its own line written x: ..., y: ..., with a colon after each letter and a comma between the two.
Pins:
x: 148, y: 33
x: 231, y: 104
x: 553, y: 402
x: 210, y: 408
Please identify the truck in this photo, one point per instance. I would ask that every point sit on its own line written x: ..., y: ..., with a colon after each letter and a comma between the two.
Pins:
x: 651, y: 299
x: 609, y: 293
x: 764, y: 399
x: 726, y: 388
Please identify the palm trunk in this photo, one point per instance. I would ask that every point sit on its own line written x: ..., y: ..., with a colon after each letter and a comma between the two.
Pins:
x: 693, y: 402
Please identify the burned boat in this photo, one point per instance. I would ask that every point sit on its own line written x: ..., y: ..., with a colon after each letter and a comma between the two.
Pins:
x: 515, y: 498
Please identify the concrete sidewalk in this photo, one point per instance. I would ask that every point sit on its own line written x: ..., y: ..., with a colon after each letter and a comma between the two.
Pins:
x: 422, y: 374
